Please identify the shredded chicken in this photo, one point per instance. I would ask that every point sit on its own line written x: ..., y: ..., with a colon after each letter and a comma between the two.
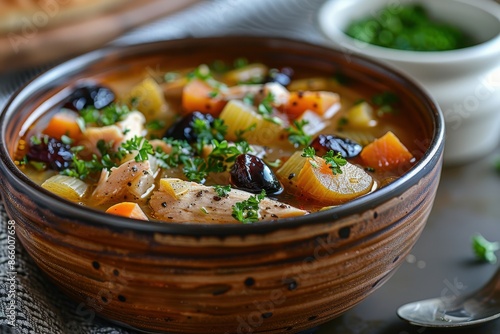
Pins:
x: 114, y: 135
x: 132, y: 180
x: 197, y: 203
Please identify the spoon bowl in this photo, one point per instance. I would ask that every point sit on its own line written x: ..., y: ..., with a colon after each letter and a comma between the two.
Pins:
x: 477, y: 308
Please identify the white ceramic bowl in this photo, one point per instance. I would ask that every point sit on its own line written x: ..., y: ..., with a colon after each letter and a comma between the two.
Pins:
x: 465, y: 82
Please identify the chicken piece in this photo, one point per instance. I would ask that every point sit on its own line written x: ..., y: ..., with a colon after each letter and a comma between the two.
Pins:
x: 184, y: 201
x: 132, y: 180
x: 280, y: 94
x: 238, y: 92
x: 114, y: 135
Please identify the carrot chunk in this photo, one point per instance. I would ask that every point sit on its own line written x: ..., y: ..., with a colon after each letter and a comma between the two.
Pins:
x: 325, y: 104
x: 386, y: 153
x: 127, y: 209
x: 197, y: 96
x: 63, y: 123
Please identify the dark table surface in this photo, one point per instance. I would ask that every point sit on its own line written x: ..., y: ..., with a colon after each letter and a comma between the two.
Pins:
x: 442, y: 262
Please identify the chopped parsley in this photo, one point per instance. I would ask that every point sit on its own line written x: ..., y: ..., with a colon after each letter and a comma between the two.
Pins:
x: 249, y: 99
x: 111, y: 114
x: 222, y: 191
x: 195, y: 169
x: 484, y: 249
x: 38, y: 165
x: 265, y: 109
x: 140, y: 145
x: 309, y: 152
x: 198, y: 169
x: 247, y: 211
x: 78, y: 169
x: 385, y: 101
x: 203, y: 73
x: 206, y: 132
x: 240, y: 63
x: 180, y: 152
x: 35, y: 140
x: 335, y: 161
x: 497, y: 165
x: 297, y: 135
x: 343, y: 121
x: 155, y: 125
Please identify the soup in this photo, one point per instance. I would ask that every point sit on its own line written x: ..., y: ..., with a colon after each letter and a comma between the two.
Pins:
x: 226, y: 142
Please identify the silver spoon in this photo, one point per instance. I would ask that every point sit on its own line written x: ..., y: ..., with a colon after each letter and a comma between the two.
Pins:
x: 474, y: 309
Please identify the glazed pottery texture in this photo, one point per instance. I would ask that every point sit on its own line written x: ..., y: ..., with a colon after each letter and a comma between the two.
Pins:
x: 268, y: 277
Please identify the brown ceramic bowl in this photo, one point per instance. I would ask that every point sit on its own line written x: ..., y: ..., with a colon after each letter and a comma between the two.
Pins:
x: 269, y: 277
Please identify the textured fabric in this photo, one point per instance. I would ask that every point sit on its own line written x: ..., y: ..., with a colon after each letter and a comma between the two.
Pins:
x: 40, y: 308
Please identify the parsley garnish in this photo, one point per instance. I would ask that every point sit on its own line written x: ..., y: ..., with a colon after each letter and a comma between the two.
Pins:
x: 195, y: 169
x: 107, y: 116
x: 222, y: 191
x: 335, y: 161
x: 79, y: 169
x: 341, y: 79
x: 180, y: 151
x: 140, y: 145
x: 265, y: 108
x: 35, y: 140
x: 297, y: 135
x: 206, y: 132
x: 385, y: 101
x: 155, y: 125
x: 203, y: 73
x: 248, y: 211
x: 240, y: 62
x: 249, y: 99
x: 484, y: 249
x: 38, y: 165
x: 228, y: 153
x: 342, y: 122
x: 497, y: 165
x: 310, y: 152
x: 275, y: 164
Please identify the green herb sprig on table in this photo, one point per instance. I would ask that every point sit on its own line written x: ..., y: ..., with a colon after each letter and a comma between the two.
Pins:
x: 484, y: 249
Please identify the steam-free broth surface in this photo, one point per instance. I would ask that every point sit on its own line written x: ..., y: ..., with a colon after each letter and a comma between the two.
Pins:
x: 234, y: 141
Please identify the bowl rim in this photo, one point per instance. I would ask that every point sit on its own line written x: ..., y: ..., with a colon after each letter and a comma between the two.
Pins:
x: 335, y: 35
x: 100, y: 219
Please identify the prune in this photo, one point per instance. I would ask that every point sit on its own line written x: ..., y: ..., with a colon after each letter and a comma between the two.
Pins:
x: 183, y: 129
x: 283, y: 76
x: 251, y: 174
x: 90, y: 96
x: 53, y: 152
x: 347, y: 147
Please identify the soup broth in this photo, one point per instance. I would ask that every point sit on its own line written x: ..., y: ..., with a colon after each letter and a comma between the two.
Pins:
x: 229, y: 141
